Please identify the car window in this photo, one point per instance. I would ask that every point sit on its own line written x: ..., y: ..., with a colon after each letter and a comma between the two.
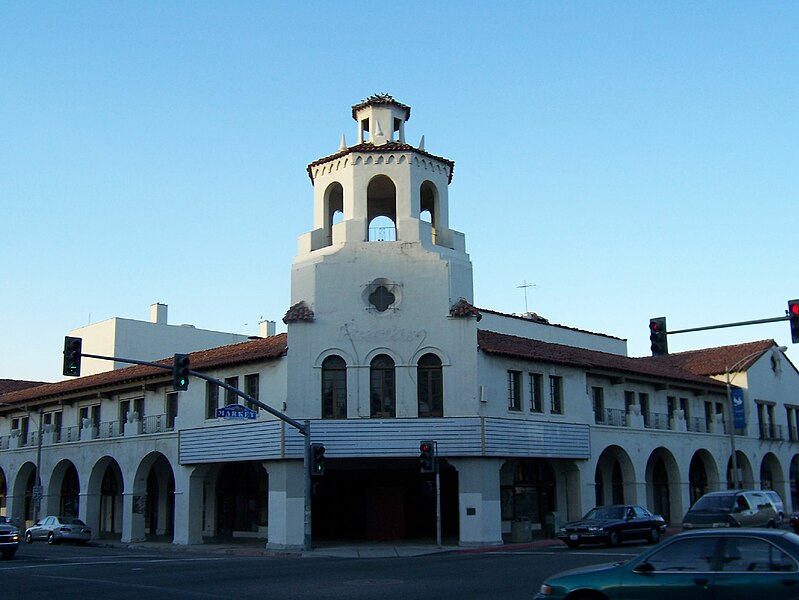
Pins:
x: 690, y: 554
x: 641, y: 513
x: 722, y: 502
x: 750, y: 554
x: 48, y: 521
x: 742, y: 503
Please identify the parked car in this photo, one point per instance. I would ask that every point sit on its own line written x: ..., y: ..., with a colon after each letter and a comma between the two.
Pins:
x: 777, y: 503
x: 59, y: 529
x: 612, y: 525
x: 9, y: 538
x: 733, y: 508
x: 708, y: 563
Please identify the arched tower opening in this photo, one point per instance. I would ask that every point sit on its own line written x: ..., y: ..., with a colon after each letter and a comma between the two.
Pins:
x: 381, y: 209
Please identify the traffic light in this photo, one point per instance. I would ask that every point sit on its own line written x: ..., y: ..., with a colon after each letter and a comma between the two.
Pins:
x: 427, y: 457
x: 72, y: 354
x: 180, y: 372
x: 657, y: 336
x: 317, y: 459
x: 793, y: 318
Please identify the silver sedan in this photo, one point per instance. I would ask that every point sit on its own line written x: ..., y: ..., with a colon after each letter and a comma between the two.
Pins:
x: 59, y: 529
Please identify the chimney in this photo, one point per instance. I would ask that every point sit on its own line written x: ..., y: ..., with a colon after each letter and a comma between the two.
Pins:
x: 266, y: 328
x: 158, y: 313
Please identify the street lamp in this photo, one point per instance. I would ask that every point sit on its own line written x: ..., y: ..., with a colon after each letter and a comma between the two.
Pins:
x: 728, y: 371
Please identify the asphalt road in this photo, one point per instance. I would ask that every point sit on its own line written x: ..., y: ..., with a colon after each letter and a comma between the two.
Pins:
x: 42, y: 571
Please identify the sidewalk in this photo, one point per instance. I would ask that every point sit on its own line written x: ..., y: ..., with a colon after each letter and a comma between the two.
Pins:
x: 330, y: 549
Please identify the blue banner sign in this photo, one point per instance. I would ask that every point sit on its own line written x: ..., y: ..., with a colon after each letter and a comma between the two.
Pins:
x: 738, y: 415
x: 236, y: 411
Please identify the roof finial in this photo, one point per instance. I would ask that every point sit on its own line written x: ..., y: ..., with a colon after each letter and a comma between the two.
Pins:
x: 421, y: 143
x: 343, y: 145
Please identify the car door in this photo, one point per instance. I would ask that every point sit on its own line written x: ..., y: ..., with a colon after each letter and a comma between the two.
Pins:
x: 680, y: 569
x: 755, y: 568
x: 39, y: 530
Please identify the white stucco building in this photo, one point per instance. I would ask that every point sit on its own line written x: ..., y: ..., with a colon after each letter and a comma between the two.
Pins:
x: 146, y: 340
x: 385, y: 348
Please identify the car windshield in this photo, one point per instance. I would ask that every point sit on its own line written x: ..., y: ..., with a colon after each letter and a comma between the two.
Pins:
x: 606, y: 512
x: 723, y: 502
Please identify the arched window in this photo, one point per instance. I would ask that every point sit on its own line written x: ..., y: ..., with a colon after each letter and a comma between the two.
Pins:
x: 334, y: 388
x: 430, y: 386
x: 382, y: 387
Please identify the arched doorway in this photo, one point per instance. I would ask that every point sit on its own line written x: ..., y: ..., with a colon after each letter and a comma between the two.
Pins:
x: 68, y: 503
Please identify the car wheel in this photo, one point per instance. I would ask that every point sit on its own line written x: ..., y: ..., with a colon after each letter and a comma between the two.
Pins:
x: 654, y: 536
x: 613, y: 538
x: 28, y: 537
x: 573, y: 545
x: 50, y: 538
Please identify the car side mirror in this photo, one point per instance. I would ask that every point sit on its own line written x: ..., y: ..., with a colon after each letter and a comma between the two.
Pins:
x: 644, y: 568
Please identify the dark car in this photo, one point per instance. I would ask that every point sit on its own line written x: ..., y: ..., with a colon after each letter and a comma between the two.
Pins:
x: 59, y: 529
x: 794, y: 522
x: 728, y: 564
x: 612, y: 525
x: 9, y: 537
x: 734, y: 508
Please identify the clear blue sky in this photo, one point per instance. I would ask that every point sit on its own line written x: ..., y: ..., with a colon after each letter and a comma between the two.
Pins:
x: 630, y: 159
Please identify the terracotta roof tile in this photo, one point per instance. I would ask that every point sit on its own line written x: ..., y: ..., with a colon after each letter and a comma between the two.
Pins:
x: 254, y: 350
x: 716, y: 361
x: 509, y: 345
x: 381, y: 99
x: 12, y: 385
x: 388, y: 147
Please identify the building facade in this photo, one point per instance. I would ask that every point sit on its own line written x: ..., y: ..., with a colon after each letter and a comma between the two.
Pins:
x: 534, y: 422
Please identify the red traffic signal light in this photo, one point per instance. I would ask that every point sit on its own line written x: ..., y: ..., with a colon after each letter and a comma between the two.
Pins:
x: 793, y: 318
x: 427, y: 457
x: 657, y: 336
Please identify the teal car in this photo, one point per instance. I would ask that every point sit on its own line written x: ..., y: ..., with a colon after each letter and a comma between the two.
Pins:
x: 721, y: 564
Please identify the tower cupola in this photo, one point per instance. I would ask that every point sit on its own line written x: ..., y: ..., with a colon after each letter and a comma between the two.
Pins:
x: 379, y: 118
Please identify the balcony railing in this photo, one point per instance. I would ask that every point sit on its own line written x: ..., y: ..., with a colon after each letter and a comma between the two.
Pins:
x: 382, y: 234
x: 770, y: 431
x: 657, y: 421
x: 154, y: 424
x: 616, y: 417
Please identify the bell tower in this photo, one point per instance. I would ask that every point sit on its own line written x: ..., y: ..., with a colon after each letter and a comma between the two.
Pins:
x: 381, y: 272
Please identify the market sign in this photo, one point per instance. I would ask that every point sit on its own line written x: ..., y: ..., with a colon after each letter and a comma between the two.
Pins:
x: 738, y: 415
x: 236, y: 411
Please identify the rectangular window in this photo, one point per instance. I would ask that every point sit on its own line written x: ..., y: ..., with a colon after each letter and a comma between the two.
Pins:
x: 514, y: 390
x: 643, y: 402
x: 536, y: 393
x: 598, y: 398
x: 685, y: 408
x: 89, y: 412
x: 211, y: 399
x: 230, y: 396
x: 671, y: 405
x: 171, y: 409
x: 629, y: 400
x: 252, y: 384
x: 556, y: 394
x: 124, y: 409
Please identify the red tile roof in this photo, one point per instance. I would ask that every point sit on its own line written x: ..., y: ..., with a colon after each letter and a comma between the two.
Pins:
x: 591, y: 360
x: 716, y: 361
x: 224, y: 356
x: 12, y: 385
x: 388, y: 147
x: 381, y: 99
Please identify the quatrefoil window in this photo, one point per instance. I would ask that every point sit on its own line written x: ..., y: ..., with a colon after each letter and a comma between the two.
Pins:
x: 381, y: 298
x: 382, y: 295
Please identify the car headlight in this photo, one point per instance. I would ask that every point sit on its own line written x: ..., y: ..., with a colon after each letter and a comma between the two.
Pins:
x: 546, y: 590
x: 596, y: 529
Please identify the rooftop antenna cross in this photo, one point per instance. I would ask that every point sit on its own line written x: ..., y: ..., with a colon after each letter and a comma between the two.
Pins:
x: 525, y: 286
